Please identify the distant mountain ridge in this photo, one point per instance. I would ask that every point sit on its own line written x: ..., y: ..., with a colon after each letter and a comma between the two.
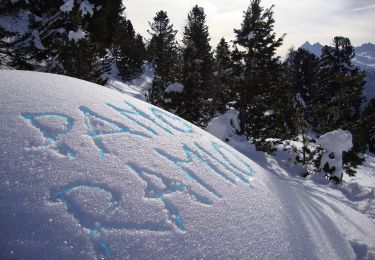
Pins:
x: 364, y: 58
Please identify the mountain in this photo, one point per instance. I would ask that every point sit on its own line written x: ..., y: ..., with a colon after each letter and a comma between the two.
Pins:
x: 364, y: 58
x: 89, y: 173
x: 315, y: 48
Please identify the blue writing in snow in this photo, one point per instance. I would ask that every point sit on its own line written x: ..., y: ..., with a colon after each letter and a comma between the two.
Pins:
x: 98, y: 223
x: 95, y: 122
x: 170, y: 186
x: 53, y: 136
x: 94, y: 224
x: 181, y: 165
x: 160, y: 121
x: 219, y: 148
x: 133, y: 114
x: 173, y: 121
x: 228, y: 164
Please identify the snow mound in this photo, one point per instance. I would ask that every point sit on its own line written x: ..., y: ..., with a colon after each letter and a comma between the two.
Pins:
x: 335, y: 142
x: 225, y: 125
x: 90, y: 173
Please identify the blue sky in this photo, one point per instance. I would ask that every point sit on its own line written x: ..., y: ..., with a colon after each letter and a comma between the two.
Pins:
x: 302, y: 20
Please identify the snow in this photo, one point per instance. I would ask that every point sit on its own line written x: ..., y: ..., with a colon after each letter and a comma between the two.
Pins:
x: 251, y: 35
x: 87, y: 8
x: 37, y: 41
x: 225, y: 125
x: 77, y: 35
x: 18, y: 23
x: 90, y: 173
x: 175, y: 87
x: 67, y: 7
x: 335, y: 142
x: 136, y: 88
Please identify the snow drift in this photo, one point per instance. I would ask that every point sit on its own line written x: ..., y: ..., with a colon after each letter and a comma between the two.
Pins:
x: 87, y: 172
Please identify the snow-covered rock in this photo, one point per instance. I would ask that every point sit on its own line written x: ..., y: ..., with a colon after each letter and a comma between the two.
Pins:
x: 175, y: 87
x: 87, y: 172
x: 335, y: 142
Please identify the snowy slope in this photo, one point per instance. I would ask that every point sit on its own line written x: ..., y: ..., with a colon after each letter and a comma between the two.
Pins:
x: 136, y: 88
x: 87, y: 172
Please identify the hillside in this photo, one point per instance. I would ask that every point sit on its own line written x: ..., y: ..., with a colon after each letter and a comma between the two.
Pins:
x: 90, y: 173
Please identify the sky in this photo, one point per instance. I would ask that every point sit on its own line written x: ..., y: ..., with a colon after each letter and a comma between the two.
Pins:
x: 301, y: 20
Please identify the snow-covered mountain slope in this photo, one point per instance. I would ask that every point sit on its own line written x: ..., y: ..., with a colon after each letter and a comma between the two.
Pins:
x: 364, y: 58
x: 87, y: 172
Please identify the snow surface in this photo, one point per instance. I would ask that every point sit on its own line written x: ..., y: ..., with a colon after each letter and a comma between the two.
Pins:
x: 175, y: 87
x: 90, y: 173
x: 225, y: 125
x: 335, y: 142
x: 136, y: 88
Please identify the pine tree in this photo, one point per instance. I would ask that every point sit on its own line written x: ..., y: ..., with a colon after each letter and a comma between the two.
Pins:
x: 223, y: 71
x: 197, y: 69
x: 163, y: 51
x: 341, y: 85
x: 368, y: 125
x: 129, y: 50
x: 263, y: 97
x: 301, y: 70
x: 191, y: 106
x: 340, y: 96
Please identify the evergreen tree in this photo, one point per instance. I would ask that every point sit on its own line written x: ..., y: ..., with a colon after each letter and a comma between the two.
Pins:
x: 60, y: 36
x: 129, y: 50
x: 368, y: 125
x: 163, y: 51
x: 341, y: 85
x: 263, y: 101
x: 191, y: 106
x: 301, y: 71
x: 340, y: 97
x: 197, y: 69
x: 223, y: 71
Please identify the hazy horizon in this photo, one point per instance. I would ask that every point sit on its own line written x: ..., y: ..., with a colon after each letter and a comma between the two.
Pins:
x: 312, y: 20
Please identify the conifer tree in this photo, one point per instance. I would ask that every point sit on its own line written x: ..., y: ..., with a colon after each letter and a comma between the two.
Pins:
x: 263, y: 97
x: 301, y: 71
x: 341, y: 85
x: 163, y: 51
x: 340, y: 96
x: 197, y: 69
x: 191, y: 106
x: 129, y: 50
x: 223, y: 71
x: 368, y: 125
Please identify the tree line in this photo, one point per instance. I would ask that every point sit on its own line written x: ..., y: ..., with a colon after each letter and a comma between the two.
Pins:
x: 297, y: 98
